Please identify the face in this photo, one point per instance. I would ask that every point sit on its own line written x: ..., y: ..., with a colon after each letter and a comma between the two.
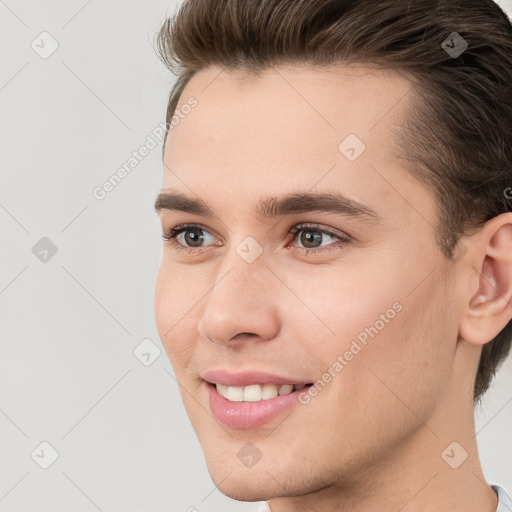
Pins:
x: 304, y: 257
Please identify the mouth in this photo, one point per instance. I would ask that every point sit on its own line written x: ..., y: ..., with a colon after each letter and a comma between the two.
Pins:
x: 250, y: 400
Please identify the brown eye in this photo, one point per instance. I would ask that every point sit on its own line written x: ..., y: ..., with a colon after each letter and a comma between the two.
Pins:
x: 187, y: 237
x: 311, y: 239
x: 193, y: 237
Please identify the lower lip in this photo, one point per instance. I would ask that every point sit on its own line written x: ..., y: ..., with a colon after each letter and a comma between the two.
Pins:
x: 248, y: 415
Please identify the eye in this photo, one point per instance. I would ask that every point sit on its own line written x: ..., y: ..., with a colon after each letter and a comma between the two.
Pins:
x: 190, y: 238
x: 312, y: 236
x: 187, y: 237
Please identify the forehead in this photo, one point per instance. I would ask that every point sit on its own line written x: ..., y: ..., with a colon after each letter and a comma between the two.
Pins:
x: 302, y: 85
x: 289, y: 105
x: 289, y: 125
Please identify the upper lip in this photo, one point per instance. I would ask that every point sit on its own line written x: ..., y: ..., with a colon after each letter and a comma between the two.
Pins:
x: 247, y: 378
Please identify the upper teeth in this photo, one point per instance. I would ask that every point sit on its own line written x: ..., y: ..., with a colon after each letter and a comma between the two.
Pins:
x: 255, y: 392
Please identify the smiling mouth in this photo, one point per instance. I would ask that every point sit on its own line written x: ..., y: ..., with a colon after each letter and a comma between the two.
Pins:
x: 256, y: 392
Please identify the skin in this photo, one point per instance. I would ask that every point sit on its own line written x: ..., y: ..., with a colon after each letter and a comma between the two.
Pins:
x: 372, y: 439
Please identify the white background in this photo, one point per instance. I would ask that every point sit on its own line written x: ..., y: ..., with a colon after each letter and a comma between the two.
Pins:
x: 70, y: 325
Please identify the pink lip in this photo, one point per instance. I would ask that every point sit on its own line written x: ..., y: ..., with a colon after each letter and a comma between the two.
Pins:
x: 248, y: 415
x: 248, y: 378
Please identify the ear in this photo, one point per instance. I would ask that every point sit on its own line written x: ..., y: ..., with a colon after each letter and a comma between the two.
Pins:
x: 489, y: 307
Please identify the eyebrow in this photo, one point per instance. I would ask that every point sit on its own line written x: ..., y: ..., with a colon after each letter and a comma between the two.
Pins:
x: 271, y: 207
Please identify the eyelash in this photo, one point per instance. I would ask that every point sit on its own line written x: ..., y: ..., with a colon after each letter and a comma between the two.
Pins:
x: 344, y: 239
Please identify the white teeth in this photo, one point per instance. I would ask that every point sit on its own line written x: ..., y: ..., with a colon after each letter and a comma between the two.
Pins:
x: 298, y: 387
x: 269, y: 391
x: 255, y: 392
x: 235, y: 394
x: 252, y: 393
x: 222, y: 390
x: 285, y: 389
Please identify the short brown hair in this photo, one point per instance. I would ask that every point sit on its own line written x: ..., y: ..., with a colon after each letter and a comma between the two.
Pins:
x: 459, y: 139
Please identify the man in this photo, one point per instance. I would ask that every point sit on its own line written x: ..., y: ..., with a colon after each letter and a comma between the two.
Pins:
x: 336, y: 279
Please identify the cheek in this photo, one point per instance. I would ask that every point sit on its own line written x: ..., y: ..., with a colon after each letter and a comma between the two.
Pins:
x: 410, y: 360
x: 334, y: 306
x: 163, y: 304
x: 380, y: 325
x: 172, y: 303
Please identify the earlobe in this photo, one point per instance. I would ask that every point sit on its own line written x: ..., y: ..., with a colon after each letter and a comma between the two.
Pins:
x: 490, y: 307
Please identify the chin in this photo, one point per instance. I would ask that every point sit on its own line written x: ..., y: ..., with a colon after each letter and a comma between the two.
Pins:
x: 269, y: 478
x: 245, y: 484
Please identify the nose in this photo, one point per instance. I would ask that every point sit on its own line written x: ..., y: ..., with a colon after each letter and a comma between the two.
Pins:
x: 242, y: 306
